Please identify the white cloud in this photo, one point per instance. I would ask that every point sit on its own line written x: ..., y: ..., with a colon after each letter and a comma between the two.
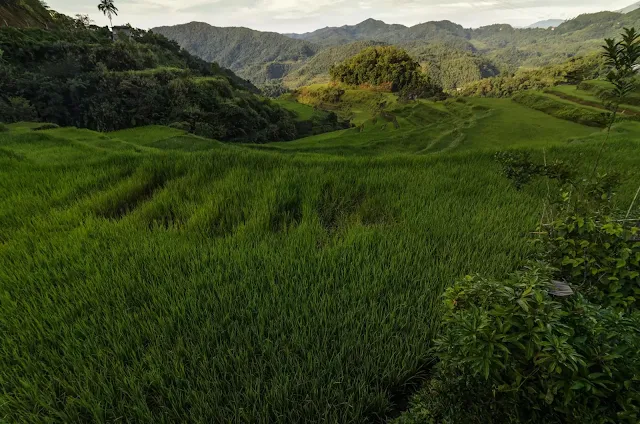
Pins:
x: 308, y: 15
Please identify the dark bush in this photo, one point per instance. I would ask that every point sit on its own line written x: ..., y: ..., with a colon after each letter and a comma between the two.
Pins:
x: 47, y: 126
x: 17, y: 109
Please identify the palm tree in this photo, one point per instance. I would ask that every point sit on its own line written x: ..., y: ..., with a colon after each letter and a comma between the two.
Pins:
x: 108, y: 8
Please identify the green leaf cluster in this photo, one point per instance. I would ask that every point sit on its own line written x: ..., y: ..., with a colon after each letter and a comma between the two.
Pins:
x: 511, y: 351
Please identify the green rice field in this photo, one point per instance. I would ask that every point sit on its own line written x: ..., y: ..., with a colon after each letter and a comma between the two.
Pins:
x: 152, y: 276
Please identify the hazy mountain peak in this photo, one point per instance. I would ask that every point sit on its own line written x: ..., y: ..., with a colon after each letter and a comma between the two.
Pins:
x: 630, y: 8
x: 549, y: 23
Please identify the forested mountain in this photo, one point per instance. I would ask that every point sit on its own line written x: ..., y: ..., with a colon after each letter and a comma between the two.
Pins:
x: 316, y: 70
x: 78, y: 76
x: 298, y: 59
x: 245, y: 51
x: 451, y: 67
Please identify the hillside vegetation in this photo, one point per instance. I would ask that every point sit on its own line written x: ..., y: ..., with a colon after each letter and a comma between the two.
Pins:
x: 258, y: 56
x: 386, y: 68
x: 81, y: 77
x: 261, y: 57
x: 25, y: 13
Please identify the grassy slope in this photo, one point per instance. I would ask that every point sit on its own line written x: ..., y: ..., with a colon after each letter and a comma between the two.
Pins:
x: 589, y: 98
x: 303, y: 112
x: 427, y: 127
x: 357, y: 106
x: 238, y: 285
x: 25, y: 14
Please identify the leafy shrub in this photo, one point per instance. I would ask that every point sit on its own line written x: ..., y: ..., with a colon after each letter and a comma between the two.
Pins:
x: 17, y: 109
x: 180, y: 126
x: 521, y: 169
x: 47, y: 126
x: 3, y: 128
x: 510, y: 351
x: 599, y: 254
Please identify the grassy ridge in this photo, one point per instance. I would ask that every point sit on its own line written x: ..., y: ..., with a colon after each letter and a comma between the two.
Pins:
x: 237, y: 285
x: 427, y: 127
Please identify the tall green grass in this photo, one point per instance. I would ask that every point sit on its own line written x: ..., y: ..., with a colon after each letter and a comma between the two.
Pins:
x: 149, y: 284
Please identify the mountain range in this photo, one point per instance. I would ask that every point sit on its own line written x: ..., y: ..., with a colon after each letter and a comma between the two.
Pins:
x: 298, y: 59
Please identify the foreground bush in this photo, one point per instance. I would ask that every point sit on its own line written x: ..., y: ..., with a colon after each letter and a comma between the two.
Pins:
x: 515, y: 351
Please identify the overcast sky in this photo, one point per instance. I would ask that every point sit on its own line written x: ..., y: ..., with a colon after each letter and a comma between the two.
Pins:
x: 309, y: 15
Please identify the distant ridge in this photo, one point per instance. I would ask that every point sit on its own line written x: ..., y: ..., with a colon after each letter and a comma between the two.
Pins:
x: 549, y: 23
x: 630, y: 8
x: 255, y: 55
x: 304, y: 58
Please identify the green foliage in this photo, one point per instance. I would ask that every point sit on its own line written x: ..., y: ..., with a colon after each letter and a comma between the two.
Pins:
x: 599, y: 254
x: 521, y: 169
x: 622, y: 57
x: 46, y: 126
x: 509, y: 351
x: 383, y: 66
x: 16, y: 109
x: 82, y: 78
x: 3, y: 128
x: 537, y: 79
x: 251, y: 54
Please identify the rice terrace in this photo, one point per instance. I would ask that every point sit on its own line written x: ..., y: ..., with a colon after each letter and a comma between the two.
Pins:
x: 371, y: 223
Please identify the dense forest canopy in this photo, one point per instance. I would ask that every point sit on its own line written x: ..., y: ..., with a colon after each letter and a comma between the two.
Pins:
x: 573, y: 71
x: 77, y: 76
x: 387, y: 67
x: 242, y: 50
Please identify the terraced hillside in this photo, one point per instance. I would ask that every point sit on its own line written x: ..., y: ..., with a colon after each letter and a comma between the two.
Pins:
x: 160, y: 276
